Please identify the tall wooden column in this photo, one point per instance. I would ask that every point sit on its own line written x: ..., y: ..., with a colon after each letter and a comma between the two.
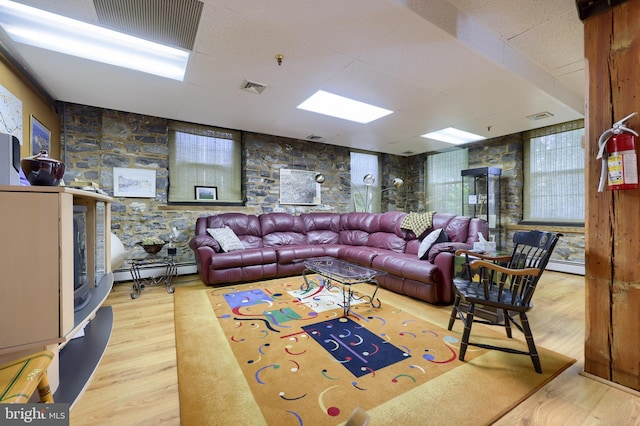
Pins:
x: 612, y: 341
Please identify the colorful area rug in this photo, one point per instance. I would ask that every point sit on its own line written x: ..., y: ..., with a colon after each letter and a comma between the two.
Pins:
x: 270, y: 353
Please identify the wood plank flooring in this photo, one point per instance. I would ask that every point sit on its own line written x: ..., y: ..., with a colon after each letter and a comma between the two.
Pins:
x: 136, y: 382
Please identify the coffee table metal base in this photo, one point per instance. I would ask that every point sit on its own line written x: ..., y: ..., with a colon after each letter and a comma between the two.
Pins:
x: 354, y: 274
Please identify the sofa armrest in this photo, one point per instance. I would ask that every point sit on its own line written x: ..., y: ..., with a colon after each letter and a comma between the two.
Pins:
x: 446, y: 247
x: 203, y: 260
x: 444, y: 262
x: 442, y: 255
x: 204, y: 241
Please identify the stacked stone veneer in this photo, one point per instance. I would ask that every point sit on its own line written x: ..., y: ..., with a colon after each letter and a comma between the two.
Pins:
x: 95, y: 140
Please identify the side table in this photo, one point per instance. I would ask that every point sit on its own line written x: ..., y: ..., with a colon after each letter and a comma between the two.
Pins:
x: 149, y: 261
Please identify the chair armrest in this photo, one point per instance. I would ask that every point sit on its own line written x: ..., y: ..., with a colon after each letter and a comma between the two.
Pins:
x: 508, y: 271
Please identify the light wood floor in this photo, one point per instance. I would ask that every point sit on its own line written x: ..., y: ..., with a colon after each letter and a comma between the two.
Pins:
x: 136, y: 382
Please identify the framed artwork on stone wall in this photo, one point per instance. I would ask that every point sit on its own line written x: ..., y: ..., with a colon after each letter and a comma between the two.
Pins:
x: 138, y: 183
x: 299, y: 187
x: 40, y: 137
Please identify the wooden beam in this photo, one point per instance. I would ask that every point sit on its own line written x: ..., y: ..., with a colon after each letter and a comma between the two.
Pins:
x: 612, y: 49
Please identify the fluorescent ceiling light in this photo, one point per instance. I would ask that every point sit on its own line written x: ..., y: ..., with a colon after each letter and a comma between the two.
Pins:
x: 338, y: 106
x: 49, y: 31
x: 454, y: 136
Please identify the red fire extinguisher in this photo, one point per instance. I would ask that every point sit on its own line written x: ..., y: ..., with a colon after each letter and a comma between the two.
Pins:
x: 620, y: 165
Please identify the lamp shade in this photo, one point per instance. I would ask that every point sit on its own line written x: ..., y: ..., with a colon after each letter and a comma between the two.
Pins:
x: 117, y: 252
x: 369, y: 179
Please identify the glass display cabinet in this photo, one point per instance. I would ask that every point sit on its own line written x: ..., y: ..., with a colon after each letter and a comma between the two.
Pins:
x: 481, y: 197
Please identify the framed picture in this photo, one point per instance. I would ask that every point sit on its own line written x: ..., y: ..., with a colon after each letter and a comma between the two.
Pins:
x: 139, y: 183
x: 206, y: 193
x: 11, y: 113
x: 40, y: 137
x: 299, y: 187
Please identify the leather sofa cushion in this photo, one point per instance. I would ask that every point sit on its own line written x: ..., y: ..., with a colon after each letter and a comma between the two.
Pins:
x: 477, y: 225
x: 359, y: 221
x: 246, y: 227
x: 293, y: 253
x: 275, y: 239
x: 321, y: 221
x: 457, y: 227
x: 322, y: 228
x: 354, y: 237
x: 247, y: 257
x: 281, y: 222
x: 323, y: 237
x: 360, y: 255
x: 280, y: 229
x: 387, y: 241
x: 391, y: 222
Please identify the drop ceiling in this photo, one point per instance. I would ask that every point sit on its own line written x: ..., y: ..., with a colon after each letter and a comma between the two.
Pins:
x: 482, y: 66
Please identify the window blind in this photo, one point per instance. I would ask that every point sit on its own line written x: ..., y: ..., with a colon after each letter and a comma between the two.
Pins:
x: 204, y: 156
x: 365, y: 198
x: 554, y: 174
x: 444, y: 182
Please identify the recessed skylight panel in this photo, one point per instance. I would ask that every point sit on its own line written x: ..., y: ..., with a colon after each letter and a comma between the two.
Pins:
x: 453, y: 136
x: 340, y: 107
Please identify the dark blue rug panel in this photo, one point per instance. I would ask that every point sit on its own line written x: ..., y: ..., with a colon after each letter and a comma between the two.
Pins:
x: 355, y: 347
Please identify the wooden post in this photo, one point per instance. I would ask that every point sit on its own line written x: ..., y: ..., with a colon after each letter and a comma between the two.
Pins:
x: 612, y: 341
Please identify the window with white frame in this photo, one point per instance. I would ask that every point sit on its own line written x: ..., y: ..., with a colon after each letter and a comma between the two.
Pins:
x: 365, y: 192
x: 554, y: 174
x: 444, y: 182
x: 206, y: 158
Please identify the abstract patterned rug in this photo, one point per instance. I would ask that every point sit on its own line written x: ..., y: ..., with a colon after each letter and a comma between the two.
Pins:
x: 297, y: 360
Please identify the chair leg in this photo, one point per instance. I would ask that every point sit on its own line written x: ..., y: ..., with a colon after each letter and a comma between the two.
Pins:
x: 44, y: 390
x: 468, y: 322
x: 507, y: 323
x: 454, y: 312
x: 533, y: 352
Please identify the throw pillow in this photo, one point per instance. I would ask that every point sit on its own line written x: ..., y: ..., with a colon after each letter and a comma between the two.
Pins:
x: 227, y: 239
x: 437, y: 236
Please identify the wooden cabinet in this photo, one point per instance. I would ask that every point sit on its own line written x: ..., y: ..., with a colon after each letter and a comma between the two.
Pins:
x: 37, y: 284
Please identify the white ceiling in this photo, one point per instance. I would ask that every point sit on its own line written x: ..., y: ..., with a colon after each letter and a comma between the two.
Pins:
x: 479, y: 65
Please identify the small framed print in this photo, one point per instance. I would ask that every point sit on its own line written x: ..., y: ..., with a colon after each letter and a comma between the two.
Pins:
x: 206, y: 193
x: 40, y: 137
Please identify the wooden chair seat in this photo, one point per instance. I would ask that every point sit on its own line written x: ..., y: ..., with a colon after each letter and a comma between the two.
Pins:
x: 20, y: 378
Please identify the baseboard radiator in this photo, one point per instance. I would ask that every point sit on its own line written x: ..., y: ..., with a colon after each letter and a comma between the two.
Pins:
x: 576, y: 268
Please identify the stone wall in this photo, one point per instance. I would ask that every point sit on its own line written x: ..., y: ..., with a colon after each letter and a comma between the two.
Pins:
x: 94, y: 140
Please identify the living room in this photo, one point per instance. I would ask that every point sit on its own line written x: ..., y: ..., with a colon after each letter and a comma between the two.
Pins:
x: 78, y: 126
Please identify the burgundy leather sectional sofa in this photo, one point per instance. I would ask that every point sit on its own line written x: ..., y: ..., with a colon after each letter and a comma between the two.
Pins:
x: 275, y: 244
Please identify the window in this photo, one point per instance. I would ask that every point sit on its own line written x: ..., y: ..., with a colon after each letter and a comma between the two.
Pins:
x: 366, y: 195
x: 201, y: 156
x: 554, y: 174
x: 443, y: 180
